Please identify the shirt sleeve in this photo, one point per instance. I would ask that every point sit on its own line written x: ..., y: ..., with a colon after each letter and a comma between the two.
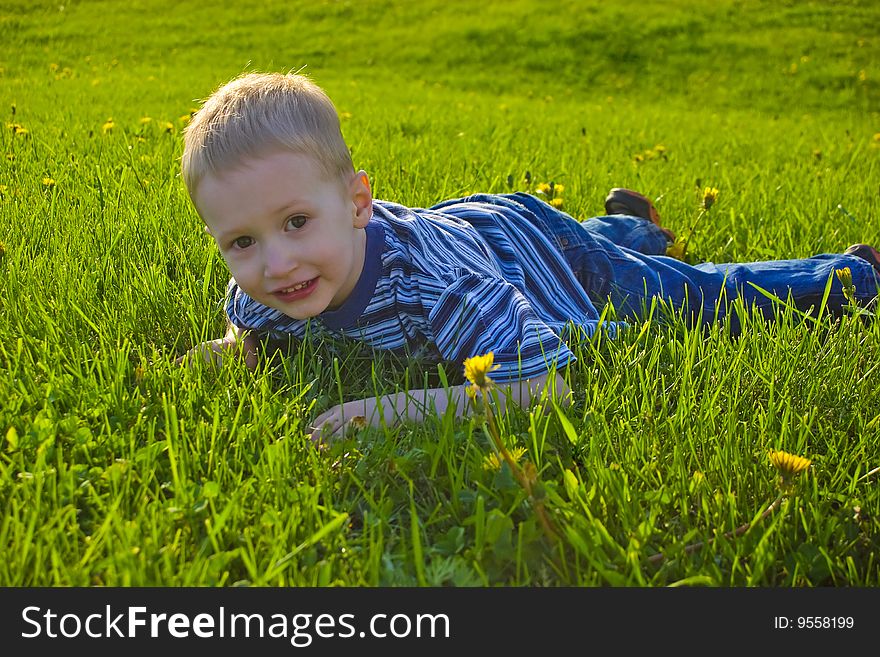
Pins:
x: 476, y: 315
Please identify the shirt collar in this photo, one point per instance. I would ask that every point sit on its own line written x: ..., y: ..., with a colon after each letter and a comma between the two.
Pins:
x: 354, y: 306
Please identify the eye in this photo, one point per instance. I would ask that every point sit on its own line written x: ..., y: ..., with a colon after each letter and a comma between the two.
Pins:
x: 295, y: 222
x: 242, y: 242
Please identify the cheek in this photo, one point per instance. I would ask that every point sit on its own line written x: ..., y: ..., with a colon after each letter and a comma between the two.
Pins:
x: 322, y: 253
x: 245, y: 273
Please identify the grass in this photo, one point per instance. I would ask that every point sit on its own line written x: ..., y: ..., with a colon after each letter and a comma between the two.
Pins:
x: 120, y: 468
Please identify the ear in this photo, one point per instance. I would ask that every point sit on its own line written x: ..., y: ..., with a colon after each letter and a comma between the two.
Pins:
x: 361, y: 198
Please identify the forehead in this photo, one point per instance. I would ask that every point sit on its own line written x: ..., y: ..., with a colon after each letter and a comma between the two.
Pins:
x: 270, y: 163
x: 261, y: 185
x: 280, y: 170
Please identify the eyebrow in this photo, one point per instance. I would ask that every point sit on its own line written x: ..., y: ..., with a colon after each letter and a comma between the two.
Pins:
x: 288, y: 206
x: 284, y: 207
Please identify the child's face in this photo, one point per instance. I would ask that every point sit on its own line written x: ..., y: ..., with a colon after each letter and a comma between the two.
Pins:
x: 293, y: 239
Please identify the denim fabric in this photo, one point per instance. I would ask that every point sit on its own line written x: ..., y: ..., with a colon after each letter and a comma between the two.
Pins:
x: 619, y: 258
x: 634, y: 233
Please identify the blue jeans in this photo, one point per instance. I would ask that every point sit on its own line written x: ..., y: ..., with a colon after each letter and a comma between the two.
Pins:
x: 622, y: 259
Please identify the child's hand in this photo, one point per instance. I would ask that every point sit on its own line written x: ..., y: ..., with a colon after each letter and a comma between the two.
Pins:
x: 210, y: 352
x: 214, y: 351
x: 388, y: 410
x: 336, y: 422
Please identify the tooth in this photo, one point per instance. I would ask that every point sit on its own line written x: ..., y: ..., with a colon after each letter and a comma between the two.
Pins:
x: 294, y: 288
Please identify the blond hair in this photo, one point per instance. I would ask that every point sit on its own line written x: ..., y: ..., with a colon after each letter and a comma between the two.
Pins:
x: 259, y: 112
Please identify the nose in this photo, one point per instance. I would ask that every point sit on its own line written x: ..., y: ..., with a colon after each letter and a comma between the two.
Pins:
x: 279, y: 259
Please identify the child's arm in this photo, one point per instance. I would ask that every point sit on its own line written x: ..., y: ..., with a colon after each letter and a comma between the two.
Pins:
x: 214, y: 351
x: 415, y: 405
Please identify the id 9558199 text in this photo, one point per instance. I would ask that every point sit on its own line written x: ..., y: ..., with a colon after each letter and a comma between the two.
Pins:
x: 813, y: 622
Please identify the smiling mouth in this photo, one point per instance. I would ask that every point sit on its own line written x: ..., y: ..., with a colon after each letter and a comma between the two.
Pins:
x: 295, y: 288
x: 296, y: 292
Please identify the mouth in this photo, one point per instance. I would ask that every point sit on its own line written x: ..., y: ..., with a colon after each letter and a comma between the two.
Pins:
x: 297, y: 291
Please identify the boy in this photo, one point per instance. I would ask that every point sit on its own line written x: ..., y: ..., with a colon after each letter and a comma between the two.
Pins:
x: 307, y: 245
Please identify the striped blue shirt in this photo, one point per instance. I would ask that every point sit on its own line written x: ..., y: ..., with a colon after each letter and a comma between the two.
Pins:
x: 459, y: 279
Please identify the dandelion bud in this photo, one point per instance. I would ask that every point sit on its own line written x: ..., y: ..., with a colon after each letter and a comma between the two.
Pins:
x: 710, y: 195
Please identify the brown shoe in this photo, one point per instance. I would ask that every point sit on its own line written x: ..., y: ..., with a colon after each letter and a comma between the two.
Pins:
x: 865, y: 252
x: 633, y: 204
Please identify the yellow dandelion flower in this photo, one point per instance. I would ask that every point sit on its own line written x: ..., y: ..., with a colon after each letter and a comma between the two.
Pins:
x: 185, y: 118
x: 877, y: 136
x: 345, y: 116
x: 17, y: 128
x: 477, y: 368
x: 556, y: 202
x: 493, y: 461
x: 3, y: 189
x: 543, y: 188
x: 558, y: 189
x: 638, y: 157
x: 844, y: 276
x: 710, y: 195
x: 48, y: 183
x: 788, y: 465
x: 108, y: 126
x: 677, y: 249
x: 354, y: 425
x: 167, y: 126
x: 145, y: 120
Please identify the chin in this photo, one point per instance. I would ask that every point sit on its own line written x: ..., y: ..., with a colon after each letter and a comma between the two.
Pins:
x: 304, y: 312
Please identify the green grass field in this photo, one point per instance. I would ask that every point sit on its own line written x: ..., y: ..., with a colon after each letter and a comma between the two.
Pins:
x: 117, y: 467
